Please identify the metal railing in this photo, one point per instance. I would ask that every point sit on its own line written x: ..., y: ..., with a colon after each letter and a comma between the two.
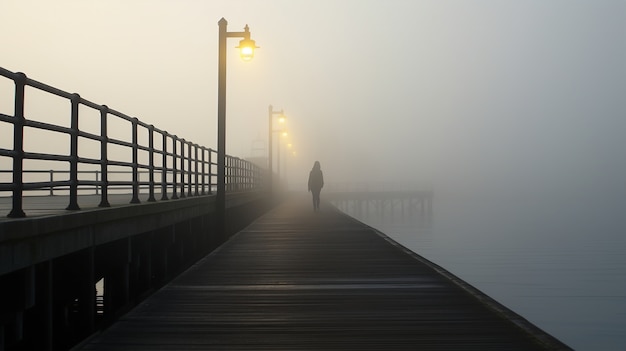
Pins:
x: 178, y: 167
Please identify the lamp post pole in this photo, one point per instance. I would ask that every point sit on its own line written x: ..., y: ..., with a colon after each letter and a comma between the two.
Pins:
x: 247, y: 50
x: 269, y: 155
x: 281, y: 133
x: 221, y: 128
x: 270, y: 144
x: 278, y: 158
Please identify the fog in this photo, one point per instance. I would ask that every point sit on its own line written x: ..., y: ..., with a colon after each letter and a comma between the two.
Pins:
x: 513, y: 112
x: 470, y: 98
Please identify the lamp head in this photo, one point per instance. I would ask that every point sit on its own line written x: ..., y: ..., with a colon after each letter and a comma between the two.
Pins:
x: 246, y: 46
x: 281, y: 116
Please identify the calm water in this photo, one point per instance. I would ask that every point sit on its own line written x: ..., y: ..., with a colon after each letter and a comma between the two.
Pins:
x: 559, y: 262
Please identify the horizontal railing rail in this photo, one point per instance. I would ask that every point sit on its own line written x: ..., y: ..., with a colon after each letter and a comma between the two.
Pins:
x: 177, y: 167
x: 374, y: 187
x: 54, y: 186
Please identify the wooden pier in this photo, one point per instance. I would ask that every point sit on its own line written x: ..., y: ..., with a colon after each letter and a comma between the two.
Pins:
x: 302, y: 280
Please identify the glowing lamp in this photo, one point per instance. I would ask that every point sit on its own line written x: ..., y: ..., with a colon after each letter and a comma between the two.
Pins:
x: 246, y: 49
x: 246, y: 45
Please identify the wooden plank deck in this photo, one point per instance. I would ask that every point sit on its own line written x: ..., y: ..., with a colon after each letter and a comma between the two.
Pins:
x: 299, y: 280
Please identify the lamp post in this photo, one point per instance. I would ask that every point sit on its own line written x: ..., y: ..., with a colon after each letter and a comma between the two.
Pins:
x: 288, y: 154
x: 283, y: 133
x: 270, y: 150
x: 246, y: 47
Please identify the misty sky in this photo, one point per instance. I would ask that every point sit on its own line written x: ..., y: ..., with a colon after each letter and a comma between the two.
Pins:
x: 461, y: 95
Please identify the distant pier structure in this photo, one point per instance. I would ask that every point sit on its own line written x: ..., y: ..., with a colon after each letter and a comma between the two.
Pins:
x: 381, y: 201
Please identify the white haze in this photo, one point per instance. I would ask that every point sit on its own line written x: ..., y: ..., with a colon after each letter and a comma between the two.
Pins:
x: 518, y: 105
x: 469, y: 97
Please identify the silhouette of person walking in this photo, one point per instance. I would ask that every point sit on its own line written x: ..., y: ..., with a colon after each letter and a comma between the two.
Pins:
x: 316, y: 183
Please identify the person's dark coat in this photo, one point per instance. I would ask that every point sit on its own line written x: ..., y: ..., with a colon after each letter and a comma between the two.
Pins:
x: 316, y: 179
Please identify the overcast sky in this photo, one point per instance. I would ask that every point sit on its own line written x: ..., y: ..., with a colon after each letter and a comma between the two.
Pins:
x: 463, y: 95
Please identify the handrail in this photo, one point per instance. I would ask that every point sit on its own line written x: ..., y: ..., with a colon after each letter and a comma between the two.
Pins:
x: 187, y: 169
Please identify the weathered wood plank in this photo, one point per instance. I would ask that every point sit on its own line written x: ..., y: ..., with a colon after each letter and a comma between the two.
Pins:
x: 299, y: 280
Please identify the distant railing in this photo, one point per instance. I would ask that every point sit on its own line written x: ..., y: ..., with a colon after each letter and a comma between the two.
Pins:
x: 374, y: 187
x: 185, y: 168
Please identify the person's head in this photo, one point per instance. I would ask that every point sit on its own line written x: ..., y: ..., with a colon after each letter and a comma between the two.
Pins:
x: 316, y: 165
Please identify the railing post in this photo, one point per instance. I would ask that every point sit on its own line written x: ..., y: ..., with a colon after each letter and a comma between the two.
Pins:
x: 164, y: 169
x: 189, y: 172
x: 182, y: 169
x: 227, y: 182
x: 151, y: 162
x: 17, y: 210
x: 249, y: 175
x: 255, y: 176
x: 104, y: 157
x: 97, y: 173
x: 235, y: 173
x: 231, y: 164
x: 74, y: 155
x: 195, y: 147
x: 203, y: 180
x: 51, y: 180
x: 135, y: 199
x: 245, y: 175
x: 238, y: 174
x: 210, y: 172
x: 174, y: 170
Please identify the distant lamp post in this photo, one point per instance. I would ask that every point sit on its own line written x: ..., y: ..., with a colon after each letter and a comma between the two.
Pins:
x: 246, y: 47
x: 281, y: 119
x: 284, y: 134
x: 286, y: 166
